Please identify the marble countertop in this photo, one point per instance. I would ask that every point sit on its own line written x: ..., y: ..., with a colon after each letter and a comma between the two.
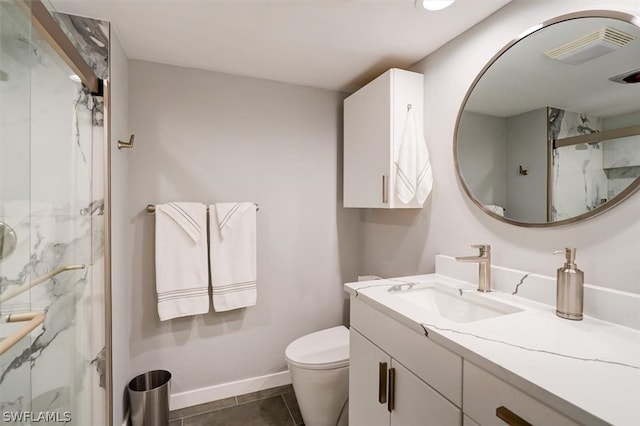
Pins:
x: 589, y: 370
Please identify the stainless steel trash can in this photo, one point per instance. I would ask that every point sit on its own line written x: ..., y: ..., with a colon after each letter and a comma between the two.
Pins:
x: 149, y: 398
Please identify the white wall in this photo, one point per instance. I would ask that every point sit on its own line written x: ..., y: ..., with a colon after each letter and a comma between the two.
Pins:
x: 403, y: 243
x: 527, y: 147
x: 121, y: 284
x: 210, y: 137
x: 483, y: 141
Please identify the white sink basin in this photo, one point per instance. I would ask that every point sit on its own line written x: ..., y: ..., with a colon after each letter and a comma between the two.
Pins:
x: 454, y: 304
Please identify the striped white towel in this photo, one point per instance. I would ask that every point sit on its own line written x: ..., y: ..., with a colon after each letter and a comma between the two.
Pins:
x: 414, y: 177
x: 232, y: 251
x: 182, y: 279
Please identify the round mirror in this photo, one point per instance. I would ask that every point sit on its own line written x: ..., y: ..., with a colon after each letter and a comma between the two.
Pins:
x: 8, y: 240
x: 549, y: 132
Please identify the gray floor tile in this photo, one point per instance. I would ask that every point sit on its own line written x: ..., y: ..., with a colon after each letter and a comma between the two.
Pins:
x: 264, y: 394
x: 203, y: 408
x: 294, y: 409
x: 177, y: 422
x: 265, y: 412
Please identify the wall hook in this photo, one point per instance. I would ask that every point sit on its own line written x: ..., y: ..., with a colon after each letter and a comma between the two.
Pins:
x: 409, y: 106
x: 129, y: 144
x: 523, y: 172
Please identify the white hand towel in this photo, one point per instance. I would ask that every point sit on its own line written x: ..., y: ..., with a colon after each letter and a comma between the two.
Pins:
x: 424, y: 177
x: 414, y: 177
x: 182, y: 279
x: 496, y: 209
x: 232, y: 251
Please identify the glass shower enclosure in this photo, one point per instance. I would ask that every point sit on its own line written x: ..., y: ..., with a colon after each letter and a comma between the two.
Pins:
x: 52, y: 300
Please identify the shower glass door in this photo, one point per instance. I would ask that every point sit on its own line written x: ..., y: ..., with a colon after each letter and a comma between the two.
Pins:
x: 15, y: 184
x: 52, y: 374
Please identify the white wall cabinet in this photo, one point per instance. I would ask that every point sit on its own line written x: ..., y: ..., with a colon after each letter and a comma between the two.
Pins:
x: 374, y: 118
x: 383, y: 392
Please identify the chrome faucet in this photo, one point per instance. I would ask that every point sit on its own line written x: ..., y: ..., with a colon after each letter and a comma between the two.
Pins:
x: 484, y: 262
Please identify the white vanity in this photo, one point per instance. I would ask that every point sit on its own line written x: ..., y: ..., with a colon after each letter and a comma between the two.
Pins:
x: 431, y: 350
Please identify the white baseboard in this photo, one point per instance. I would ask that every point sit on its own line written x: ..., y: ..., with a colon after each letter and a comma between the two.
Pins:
x: 226, y: 390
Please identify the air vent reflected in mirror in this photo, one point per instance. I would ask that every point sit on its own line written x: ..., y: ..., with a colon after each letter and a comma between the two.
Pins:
x: 627, y: 77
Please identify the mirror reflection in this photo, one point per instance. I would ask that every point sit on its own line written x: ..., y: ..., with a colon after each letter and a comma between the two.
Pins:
x: 550, y: 133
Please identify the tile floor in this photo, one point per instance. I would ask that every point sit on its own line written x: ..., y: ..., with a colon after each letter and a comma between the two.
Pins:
x: 270, y: 407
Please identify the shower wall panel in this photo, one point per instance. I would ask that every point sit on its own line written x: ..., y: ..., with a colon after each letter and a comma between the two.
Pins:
x: 578, y: 179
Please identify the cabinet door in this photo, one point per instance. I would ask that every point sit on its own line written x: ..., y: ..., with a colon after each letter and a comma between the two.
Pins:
x: 416, y: 403
x: 374, y: 120
x: 368, y: 366
x: 367, y: 138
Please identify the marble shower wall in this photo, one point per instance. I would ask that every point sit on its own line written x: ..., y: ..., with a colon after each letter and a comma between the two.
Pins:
x: 579, y: 183
x: 622, y: 156
x: 586, y: 175
x: 59, y: 221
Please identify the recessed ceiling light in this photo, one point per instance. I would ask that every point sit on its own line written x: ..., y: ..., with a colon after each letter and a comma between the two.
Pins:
x: 433, y: 4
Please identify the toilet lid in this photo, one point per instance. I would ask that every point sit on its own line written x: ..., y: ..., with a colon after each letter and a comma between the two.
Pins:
x: 323, y: 349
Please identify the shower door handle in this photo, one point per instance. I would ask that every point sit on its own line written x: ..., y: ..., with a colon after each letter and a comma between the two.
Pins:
x: 32, y: 319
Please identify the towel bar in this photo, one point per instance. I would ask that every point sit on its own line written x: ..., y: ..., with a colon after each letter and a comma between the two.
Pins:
x: 151, y: 208
x: 26, y: 286
x: 34, y: 319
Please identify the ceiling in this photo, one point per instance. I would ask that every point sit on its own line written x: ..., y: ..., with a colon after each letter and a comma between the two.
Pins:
x: 331, y: 44
x: 524, y: 79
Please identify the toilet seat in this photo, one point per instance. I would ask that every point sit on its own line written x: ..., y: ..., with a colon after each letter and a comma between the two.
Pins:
x: 322, y: 350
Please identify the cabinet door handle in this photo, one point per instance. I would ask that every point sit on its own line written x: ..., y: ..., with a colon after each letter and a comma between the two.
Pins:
x: 391, y: 402
x: 385, y: 189
x: 510, y: 418
x: 382, y: 383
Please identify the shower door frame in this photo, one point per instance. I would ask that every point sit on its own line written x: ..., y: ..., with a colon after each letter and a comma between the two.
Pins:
x: 49, y: 29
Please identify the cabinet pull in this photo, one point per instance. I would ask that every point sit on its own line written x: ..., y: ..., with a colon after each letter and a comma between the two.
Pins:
x: 391, y: 402
x: 382, y: 383
x: 510, y: 418
x: 385, y: 189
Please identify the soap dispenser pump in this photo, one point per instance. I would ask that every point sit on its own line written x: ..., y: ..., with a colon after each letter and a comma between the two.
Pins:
x: 569, y: 287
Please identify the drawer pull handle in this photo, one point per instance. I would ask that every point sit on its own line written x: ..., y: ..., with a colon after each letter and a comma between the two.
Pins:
x: 510, y: 418
x: 382, y: 383
x: 391, y: 402
x: 385, y: 189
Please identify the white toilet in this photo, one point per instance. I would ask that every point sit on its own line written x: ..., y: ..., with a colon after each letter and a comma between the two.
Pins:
x: 319, y: 366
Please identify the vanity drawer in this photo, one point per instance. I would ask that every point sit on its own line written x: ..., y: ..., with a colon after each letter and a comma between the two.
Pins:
x: 484, y: 394
x: 433, y: 364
